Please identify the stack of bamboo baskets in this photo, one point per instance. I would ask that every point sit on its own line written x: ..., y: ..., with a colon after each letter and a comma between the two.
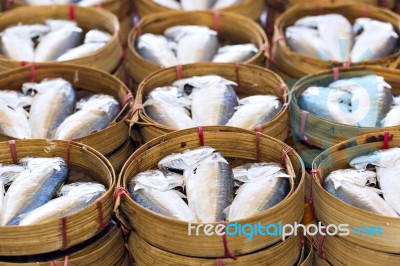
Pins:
x: 157, y: 239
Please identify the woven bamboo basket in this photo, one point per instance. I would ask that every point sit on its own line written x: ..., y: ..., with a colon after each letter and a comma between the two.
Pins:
x: 125, y: 25
x: 106, y: 140
x: 323, y: 133
x: 119, y: 156
x: 283, y: 253
x: 106, y: 58
x: 306, y: 255
x: 248, y: 8
x: 232, y: 27
x: 74, y: 229
x: 105, y: 249
x: 117, y: 7
x: 284, y: 4
x: 252, y: 80
x: 172, y: 235
x: 338, y: 251
x: 296, y: 65
x: 331, y: 210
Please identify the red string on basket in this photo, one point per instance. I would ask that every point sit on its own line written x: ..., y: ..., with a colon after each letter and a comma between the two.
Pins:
x: 138, y: 30
x: 126, y: 99
x: 8, y: 4
x: 71, y: 11
x: 258, y: 130
x: 119, y: 191
x: 227, y: 252
x: 13, y: 151
x: 178, y: 69
x: 135, y: 108
x: 320, y: 9
x: 385, y: 3
x: 121, y: 44
x: 217, y: 15
x: 282, y: 89
x: 271, y: 50
x: 64, y: 233
x: 220, y: 262
x: 321, y: 239
x: 318, y: 173
x: 366, y: 10
x: 53, y: 263
x: 346, y: 64
x: 69, y: 153
x: 102, y: 224
x: 237, y: 68
x: 66, y: 261
x: 285, y: 153
x: 303, y: 122
x: 31, y: 70
x: 335, y: 73
x: 386, y: 138
x: 200, y: 132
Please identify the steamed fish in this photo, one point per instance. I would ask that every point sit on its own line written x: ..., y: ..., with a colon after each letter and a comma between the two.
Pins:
x: 182, y: 161
x: 235, y: 53
x: 156, y: 49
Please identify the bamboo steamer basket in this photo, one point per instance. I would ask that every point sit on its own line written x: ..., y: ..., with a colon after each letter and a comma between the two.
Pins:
x: 119, y: 157
x: 323, y: 133
x: 307, y: 254
x: 117, y: 7
x: 172, y: 235
x: 252, y: 80
x: 125, y: 25
x: 331, y: 210
x: 79, y: 227
x: 104, y: 141
x: 284, y: 4
x: 282, y: 253
x: 106, y: 58
x: 295, y: 65
x: 248, y: 8
x: 106, y: 249
x: 338, y: 251
x: 120, y: 72
x: 232, y: 27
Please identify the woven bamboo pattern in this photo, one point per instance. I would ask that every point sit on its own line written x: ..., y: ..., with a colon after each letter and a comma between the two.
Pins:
x: 119, y: 156
x: 232, y: 27
x: 283, y: 4
x: 47, y: 237
x: 172, y: 235
x: 252, y: 80
x: 106, y: 140
x: 331, y: 210
x: 106, y: 58
x: 296, y: 65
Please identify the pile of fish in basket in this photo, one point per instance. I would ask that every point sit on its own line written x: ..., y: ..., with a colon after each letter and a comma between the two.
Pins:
x: 196, y: 139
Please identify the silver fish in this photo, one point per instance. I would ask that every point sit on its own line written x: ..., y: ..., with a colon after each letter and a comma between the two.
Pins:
x: 8, y: 173
x: 47, y: 2
x: 95, y: 36
x: 235, y: 53
x: 213, y: 105
x: 81, y: 51
x: 255, y: 110
x: 160, y: 180
x: 392, y: 118
x: 225, y: 3
x: 351, y: 186
x: 165, y: 202
x: 163, y: 104
x: 57, y: 42
x: 53, y: 102
x: 266, y: 184
x: 201, y: 82
x: 334, y: 31
x: 87, y: 3
x: 156, y: 49
x: 209, y: 188
x: 94, y: 114
x: 74, y: 198
x: 172, y: 4
x: 14, y: 120
x: 197, y: 4
x: 34, y: 187
x: 387, y: 164
x: 376, y: 40
x: 183, y: 160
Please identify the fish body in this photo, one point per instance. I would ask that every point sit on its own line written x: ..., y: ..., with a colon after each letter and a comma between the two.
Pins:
x: 197, y: 48
x: 156, y: 49
x: 85, y: 49
x: 197, y: 4
x: 235, y: 53
x: 392, y: 118
x: 94, y: 114
x: 14, y: 121
x: 160, y: 180
x: 266, y: 184
x: 219, y: 4
x: 209, y: 188
x: 182, y: 161
x: 47, y: 2
x: 87, y: 3
x: 163, y: 106
x: 172, y: 4
x: 57, y: 42
x: 96, y: 36
x: 79, y: 196
x: 33, y: 188
x: 351, y: 186
x: 255, y: 110
x: 53, y: 102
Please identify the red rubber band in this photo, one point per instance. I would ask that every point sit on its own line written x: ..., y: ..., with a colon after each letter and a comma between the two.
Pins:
x: 23, y: 63
x: 320, y: 9
x: 71, y: 12
x: 258, y: 130
x: 33, y: 72
x: 386, y: 138
x: 385, y: 3
x: 303, y: 122
x: 102, y: 224
x: 274, y: 43
x: 8, y: 4
x: 227, y: 252
x: 217, y: 15
x: 321, y: 239
x: 285, y: 153
x: 318, y: 173
x: 53, y: 263
x: 119, y: 191
x: 335, y: 73
x: 135, y: 108
x: 64, y: 233
x: 138, y: 30
x: 13, y: 151
x: 220, y: 262
x: 126, y: 99
x: 69, y: 153
x: 125, y: 230
x: 237, y: 67
x: 366, y: 10
x: 178, y: 69
x: 99, y: 5
x: 66, y: 261
x: 200, y: 132
x: 347, y: 64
